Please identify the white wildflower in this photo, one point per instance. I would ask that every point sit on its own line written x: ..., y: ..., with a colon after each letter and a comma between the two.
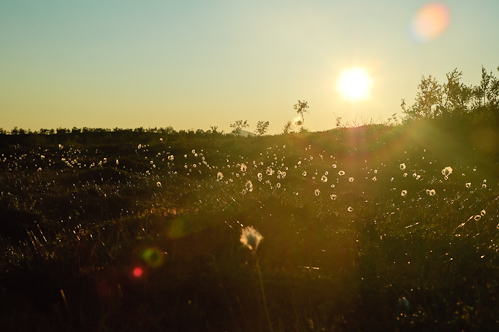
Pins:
x: 446, y: 172
x: 249, y: 186
x: 250, y: 238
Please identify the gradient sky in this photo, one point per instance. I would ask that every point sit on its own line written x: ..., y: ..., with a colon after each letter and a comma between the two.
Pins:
x: 190, y: 64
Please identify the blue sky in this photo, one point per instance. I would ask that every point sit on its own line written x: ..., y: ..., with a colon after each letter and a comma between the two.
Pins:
x: 192, y: 64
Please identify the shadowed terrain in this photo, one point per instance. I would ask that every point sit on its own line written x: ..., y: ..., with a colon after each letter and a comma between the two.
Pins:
x: 375, y: 226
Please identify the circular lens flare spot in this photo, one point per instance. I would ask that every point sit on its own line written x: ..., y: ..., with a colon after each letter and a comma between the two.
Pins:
x: 153, y: 257
x: 137, y: 272
x: 430, y: 21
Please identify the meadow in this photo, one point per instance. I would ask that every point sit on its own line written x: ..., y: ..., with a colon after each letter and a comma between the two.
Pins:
x: 389, y: 228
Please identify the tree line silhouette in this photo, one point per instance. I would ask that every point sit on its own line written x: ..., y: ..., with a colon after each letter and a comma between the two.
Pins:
x: 455, y: 100
x: 452, y: 101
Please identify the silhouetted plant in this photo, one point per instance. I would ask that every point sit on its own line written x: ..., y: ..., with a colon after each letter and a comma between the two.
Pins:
x: 238, y: 126
x: 261, y: 127
x: 287, y: 128
x: 427, y: 100
x: 301, y: 107
x: 453, y: 98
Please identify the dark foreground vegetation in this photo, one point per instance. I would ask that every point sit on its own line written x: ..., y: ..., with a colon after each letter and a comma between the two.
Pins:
x: 389, y: 228
x: 368, y: 228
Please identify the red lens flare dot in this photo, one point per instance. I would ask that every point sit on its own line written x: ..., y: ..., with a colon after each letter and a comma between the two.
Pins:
x: 137, y: 272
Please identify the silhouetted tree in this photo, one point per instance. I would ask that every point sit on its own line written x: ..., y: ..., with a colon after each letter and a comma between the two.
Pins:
x: 457, y: 96
x: 62, y: 131
x: 167, y: 130
x: 238, y: 126
x: 453, y: 98
x: 300, y: 108
x: 487, y: 93
x: 287, y: 128
x: 261, y: 127
x: 427, y: 100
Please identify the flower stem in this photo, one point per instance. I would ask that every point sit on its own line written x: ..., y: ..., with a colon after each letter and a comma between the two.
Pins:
x: 263, y: 295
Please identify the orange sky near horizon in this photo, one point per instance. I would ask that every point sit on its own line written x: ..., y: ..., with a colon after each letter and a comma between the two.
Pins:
x: 193, y: 64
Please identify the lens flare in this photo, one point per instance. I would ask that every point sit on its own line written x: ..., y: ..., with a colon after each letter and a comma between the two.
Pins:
x: 153, y: 257
x: 137, y: 272
x: 430, y: 21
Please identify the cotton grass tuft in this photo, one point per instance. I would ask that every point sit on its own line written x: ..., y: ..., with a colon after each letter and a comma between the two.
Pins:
x: 250, y: 238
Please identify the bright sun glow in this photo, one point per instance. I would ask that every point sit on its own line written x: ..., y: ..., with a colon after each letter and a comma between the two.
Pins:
x: 354, y: 84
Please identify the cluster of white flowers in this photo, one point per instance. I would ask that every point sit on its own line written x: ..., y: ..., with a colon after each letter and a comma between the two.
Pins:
x: 431, y: 192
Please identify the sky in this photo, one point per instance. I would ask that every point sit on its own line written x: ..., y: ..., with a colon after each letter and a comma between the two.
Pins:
x: 192, y: 64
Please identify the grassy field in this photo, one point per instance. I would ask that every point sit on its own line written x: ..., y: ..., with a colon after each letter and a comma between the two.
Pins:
x: 368, y: 228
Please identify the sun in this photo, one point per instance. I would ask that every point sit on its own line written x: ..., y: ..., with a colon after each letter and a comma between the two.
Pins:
x: 354, y: 84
